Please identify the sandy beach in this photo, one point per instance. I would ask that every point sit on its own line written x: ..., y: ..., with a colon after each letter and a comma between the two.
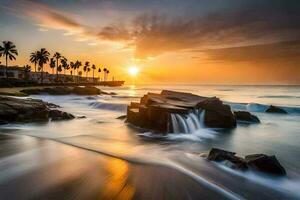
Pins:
x: 34, y: 168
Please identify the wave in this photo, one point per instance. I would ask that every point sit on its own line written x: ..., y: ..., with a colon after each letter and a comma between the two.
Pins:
x: 126, y: 97
x: 256, y: 107
x: 120, y: 107
x: 279, y: 96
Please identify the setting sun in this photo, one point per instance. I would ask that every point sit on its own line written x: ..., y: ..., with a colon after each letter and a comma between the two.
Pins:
x: 133, y: 71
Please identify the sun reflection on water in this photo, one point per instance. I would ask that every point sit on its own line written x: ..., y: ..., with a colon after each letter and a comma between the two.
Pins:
x: 117, y: 186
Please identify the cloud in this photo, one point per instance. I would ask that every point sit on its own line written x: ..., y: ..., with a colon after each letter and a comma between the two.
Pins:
x: 154, y: 34
x: 45, y: 16
x: 287, y: 52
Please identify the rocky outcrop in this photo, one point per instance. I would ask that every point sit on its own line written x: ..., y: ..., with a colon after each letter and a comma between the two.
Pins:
x: 245, y: 116
x: 217, y: 114
x: 29, y: 110
x: 154, y: 110
x: 275, y: 109
x: 259, y: 162
x: 88, y: 90
x: 265, y: 163
x: 220, y: 155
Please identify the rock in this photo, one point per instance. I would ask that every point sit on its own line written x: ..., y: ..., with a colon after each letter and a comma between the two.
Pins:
x: 259, y: 162
x: 219, y: 155
x: 265, y: 163
x: 27, y: 110
x: 246, y: 117
x: 81, y: 117
x: 154, y: 110
x: 55, y: 115
x: 122, y: 117
x: 275, y: 109
x: 217, y: 115
x: 88, y: 90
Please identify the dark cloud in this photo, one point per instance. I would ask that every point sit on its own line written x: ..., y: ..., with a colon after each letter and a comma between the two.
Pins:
x: 156, y: 34
x: 281, y: 51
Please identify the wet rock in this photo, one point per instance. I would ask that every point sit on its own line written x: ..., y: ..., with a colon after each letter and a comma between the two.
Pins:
x: 246, y: 117
x: 154, y: 110
x: 88, y: 90
x: 81, y: 117
x: 217, y: 114
x: 265, y: 163
x: 220, y: 155
x: 122, y: 117
x: 60, y: 115
x: 275, y: 109
x: 259, y: 162
x: 27, y: 110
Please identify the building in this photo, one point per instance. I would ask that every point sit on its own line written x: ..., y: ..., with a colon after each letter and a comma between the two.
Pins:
x: 13, y: 72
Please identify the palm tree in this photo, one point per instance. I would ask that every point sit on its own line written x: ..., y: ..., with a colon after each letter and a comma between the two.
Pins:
x: 8, y: 50
x: 43, y: 58
x: 57, y: 56
x: 27, y: 69
x: 65, y: 65
x: 99, y: 71
x: 93, y: 67
x: 33, y: 59
x: 78, y: 64
x: 104, y: 70
x: 86, y: 68
x: 52, y: 64
x: 79, y: 73
x: 107, y: 72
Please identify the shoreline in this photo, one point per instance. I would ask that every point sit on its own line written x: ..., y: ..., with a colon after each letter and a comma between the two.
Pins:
x: 116, y: 176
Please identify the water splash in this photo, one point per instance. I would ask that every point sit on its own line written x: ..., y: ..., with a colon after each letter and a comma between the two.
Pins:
x: 189, y: 123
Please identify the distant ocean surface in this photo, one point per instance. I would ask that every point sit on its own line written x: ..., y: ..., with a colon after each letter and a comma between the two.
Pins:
x: 276, y: 134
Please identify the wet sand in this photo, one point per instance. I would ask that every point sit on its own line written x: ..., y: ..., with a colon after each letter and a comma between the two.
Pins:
x: 32, y: 168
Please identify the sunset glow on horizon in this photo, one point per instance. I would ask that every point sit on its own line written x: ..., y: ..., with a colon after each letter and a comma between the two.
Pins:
x: 225, y: 42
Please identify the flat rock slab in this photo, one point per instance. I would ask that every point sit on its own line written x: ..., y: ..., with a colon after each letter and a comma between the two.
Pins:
x: 29, y: 110
x: 154, y: 110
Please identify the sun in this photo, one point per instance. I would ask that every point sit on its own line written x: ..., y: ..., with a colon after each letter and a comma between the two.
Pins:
x: 133, y: 70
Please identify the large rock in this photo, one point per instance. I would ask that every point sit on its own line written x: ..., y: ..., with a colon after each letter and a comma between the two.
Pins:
x: 259, y: 162
x: 220, y: 155
x: 28, y: 110
x: 154, y: 110
x: 88, y: 90
x: 246, y: 117
x: 265, y: 163
x: 275, y: 109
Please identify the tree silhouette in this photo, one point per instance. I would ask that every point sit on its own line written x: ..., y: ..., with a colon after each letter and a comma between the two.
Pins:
x: 27, y: 69
x: 99, y: 71
x: 33, y: 59
x: 9, y: 51
x: 93, y: 67
x: 43, y: 58
x: 57, y: 56
x: 52, y: 64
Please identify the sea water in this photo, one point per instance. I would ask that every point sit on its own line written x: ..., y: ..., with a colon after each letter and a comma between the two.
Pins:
x: 101, y: 131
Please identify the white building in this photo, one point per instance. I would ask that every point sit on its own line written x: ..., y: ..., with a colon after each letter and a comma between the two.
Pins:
x: 13, y: 72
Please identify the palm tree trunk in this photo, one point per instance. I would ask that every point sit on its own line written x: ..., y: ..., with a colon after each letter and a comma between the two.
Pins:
x: 6, y: 66
x: 34, y: 66
x: 42, y: 74
x: 93, y: 75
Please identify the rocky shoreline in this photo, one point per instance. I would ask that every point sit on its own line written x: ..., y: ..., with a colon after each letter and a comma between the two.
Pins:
x: 29, y: 110
x: 87, y: 90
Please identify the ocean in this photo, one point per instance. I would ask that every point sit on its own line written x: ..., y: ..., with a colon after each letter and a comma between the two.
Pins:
x: 103, y: 133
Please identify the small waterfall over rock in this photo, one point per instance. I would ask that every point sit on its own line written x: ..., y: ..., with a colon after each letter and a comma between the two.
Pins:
x: 188, y: 123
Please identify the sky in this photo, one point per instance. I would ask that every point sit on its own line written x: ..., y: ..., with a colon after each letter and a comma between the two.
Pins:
x: 169, y: 41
